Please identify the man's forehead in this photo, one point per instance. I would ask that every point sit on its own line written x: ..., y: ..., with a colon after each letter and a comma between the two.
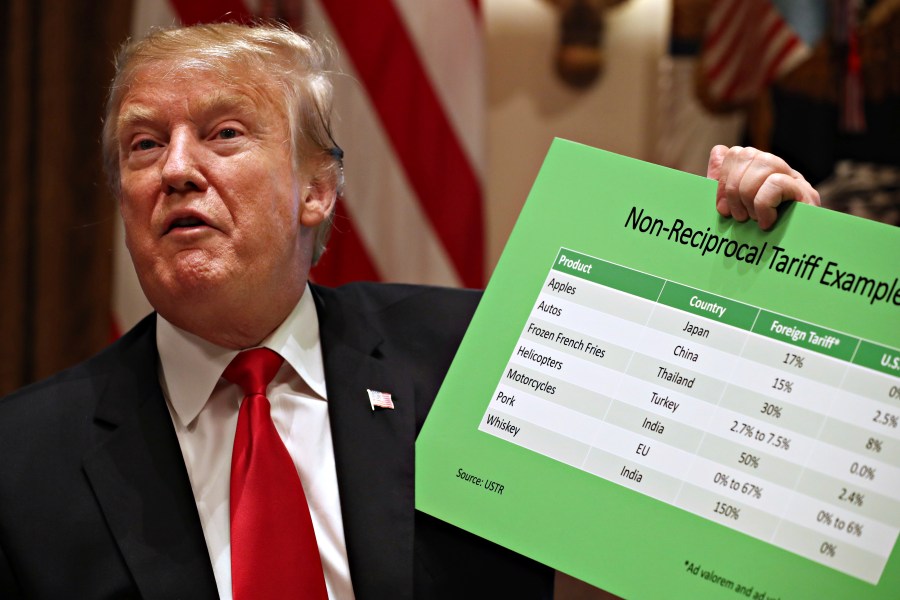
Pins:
x: 156, y: 90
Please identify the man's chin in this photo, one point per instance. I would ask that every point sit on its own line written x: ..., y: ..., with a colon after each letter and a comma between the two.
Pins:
x: 187, y: 282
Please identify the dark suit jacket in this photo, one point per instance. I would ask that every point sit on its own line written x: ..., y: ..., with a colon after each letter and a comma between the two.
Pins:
x: 95, y: 501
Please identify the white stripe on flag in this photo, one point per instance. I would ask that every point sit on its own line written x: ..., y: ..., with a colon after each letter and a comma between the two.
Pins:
x: 450, y: 42
x: 748, y: 45
x: 387, y: 213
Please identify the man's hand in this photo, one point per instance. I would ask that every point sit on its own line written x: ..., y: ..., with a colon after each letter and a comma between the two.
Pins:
x: 753, y: 183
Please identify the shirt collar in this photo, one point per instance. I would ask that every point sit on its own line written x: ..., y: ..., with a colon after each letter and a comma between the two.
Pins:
x: 190, y: 367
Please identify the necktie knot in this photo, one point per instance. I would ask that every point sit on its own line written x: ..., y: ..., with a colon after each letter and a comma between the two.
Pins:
x: 253, y: 370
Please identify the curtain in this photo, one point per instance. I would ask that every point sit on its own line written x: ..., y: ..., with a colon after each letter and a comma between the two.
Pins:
x: 56, y: 215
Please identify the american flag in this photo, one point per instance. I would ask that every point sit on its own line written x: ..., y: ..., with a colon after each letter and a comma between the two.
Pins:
x: 747, y: 45
x: 410, y: 106
x: 380, y: 399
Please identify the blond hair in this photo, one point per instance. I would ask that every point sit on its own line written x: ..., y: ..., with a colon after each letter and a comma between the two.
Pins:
x: 289, y: 64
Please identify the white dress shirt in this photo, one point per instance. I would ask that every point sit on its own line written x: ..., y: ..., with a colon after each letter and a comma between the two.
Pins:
x: 204, y: 409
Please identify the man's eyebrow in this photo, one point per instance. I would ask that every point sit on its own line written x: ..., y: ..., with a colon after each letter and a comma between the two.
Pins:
x: 137, y: 114
x: 222, y: 101
x: 133, y: 115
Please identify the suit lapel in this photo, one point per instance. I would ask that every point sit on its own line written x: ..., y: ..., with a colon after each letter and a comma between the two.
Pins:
x: 374, y: 450
x: 138, y: 475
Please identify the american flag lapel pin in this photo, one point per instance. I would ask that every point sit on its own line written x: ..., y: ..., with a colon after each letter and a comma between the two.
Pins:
x: 380, y: 399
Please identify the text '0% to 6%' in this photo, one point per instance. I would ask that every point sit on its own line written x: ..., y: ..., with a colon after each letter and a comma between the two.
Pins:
x: 850, y: 528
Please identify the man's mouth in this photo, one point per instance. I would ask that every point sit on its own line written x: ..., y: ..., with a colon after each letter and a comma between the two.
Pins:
x: 186, y: 223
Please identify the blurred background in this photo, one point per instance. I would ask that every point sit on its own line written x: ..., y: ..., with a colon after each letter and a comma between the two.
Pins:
x: 446, y: 109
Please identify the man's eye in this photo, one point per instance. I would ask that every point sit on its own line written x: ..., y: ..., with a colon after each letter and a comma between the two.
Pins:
x: 228, y: 133
x: 145, y: 144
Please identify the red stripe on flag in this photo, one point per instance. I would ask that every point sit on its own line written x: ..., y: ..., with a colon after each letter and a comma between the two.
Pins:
x: 377, y: 43
x: 191, y: 12
x: 741, y: 82
x: 776, y: 62
x: 346, y: 258
x: 737, y: 40
x: 738, y: 63
x: 755, y: 72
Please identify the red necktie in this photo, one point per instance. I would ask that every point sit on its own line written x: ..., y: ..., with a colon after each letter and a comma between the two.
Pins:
x: 273, y: 546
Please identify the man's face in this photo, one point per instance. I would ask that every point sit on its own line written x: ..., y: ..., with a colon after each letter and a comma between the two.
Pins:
x: 214, y: 209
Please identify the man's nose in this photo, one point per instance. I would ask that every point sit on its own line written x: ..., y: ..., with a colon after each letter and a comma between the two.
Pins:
x: 182, y: 170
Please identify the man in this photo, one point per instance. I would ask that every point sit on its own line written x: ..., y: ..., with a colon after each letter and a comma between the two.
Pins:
x: 116, y: 476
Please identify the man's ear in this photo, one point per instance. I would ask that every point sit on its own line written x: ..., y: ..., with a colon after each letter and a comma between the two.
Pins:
x: 318, y: 201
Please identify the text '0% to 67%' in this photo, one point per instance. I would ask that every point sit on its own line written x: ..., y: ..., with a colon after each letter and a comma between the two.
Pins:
x: 748, y: 489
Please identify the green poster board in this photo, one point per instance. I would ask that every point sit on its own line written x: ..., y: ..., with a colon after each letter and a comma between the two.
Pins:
x: 665, y: 403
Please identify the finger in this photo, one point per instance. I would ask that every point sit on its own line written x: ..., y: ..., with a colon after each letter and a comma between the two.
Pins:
x: 736, y: 163
x: 777, y: 189
x: 716, y: 157
x: 713, y: 171
x: 806, y: 193
x: 773, y: 191
x: 762, y: 166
